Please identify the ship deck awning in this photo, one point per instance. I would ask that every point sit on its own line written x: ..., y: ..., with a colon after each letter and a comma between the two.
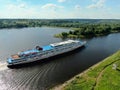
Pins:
x: 48, y: 47
x: 63, y: 43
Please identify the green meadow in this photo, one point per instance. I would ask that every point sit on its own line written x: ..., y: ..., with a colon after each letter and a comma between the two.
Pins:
x: 102, y: 76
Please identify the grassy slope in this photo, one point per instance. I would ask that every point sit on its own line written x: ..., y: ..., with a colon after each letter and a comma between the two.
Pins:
x: 101, y: 76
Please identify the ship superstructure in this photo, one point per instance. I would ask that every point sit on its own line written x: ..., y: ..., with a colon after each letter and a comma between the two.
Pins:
x: 40, y: 53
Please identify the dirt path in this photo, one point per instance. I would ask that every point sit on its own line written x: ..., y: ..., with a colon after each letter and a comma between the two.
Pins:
x: 100, y: 74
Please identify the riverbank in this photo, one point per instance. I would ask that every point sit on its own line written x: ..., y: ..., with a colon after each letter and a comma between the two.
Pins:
x: 89, y: 31
x: 80, y: 28
x: 102, y: 76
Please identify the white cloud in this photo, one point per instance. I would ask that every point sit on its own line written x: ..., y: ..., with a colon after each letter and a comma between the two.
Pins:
x: 98, y: 4
x: 51, y: 6
x: 77, y: 7
x: 61, y: 0
x: 22, y: 6
x: 14, y: 7
x: 24, y: 10
x: 19, y: 10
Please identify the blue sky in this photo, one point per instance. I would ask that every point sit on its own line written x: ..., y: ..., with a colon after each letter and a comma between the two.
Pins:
x: 53, y: 9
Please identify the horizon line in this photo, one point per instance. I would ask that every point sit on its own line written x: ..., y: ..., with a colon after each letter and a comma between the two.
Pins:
x: 64, y: 18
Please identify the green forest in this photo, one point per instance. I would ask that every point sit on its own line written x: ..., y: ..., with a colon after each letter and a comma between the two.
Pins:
x: 90, y: 30
x: 80, y: 28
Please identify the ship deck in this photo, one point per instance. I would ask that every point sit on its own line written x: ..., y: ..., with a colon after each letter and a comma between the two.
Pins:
x: 16, y: 56
x: 48, y: 47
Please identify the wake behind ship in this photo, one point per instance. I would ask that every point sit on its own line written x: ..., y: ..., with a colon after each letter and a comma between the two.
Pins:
x: 40, y: 53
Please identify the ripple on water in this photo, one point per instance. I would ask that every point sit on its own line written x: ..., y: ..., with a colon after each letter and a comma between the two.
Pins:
x: 32, y: 78
x: 3, y: 66
x: 43, y: 75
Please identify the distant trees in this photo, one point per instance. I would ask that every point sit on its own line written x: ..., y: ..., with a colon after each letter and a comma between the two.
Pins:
x: 91, y: 31
x: 70, y: 23
x: 19, y: 23
x: 81, y: 27
x: 64, y: 34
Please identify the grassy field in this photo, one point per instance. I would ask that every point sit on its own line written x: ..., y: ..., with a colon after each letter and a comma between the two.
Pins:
x: 102, y: 76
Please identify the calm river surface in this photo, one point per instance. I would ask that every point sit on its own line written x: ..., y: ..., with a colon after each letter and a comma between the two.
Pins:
x: 55, y: 71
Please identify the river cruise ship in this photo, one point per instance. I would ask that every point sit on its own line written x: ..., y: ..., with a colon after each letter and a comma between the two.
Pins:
x: 39, y: 53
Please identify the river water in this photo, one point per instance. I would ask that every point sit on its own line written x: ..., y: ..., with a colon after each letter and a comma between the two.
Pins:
x: 44, y: 75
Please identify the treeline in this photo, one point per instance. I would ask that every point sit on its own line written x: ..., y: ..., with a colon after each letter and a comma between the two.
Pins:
x: 81, y: 27
x: 18, y: 23
x: 74, y: 23
x: 90, y: 30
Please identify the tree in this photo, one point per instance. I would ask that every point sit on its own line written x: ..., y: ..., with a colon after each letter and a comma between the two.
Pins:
x: 64, y: 34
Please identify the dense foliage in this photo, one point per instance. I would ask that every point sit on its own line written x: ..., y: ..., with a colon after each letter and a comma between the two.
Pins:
x: 74, y: 23
x: 91, y: 31
x: 18, y: 23
x: 81, y: 27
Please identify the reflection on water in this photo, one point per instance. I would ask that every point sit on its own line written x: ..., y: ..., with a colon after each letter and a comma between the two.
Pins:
x: 54, y: 71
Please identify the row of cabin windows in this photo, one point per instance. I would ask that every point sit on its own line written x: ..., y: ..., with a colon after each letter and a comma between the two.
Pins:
x: 51, y: 51
x: 67, y: 47
x: 18, y: 60
x: 44, y: 53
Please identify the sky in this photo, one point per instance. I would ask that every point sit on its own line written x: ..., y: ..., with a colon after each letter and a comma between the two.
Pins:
x: 60, y: 9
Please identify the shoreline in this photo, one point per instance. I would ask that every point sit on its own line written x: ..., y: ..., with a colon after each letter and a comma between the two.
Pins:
x: 83, y: 36
x: 61, y: 86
